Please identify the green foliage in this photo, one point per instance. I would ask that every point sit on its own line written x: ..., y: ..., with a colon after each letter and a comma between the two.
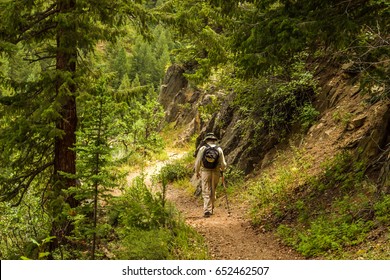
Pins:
x: 271, y: 191
x: 144, y: 245
x: 149, y: 60
x: 138, y: 115
x: 342, y: 172
x: 42, y: 252
x: 21, y: 228
x: 307, y: 116
x: 234, y: 176
x: 119, y: 115
x: 26, y: 122
x: 196, y: 26
x: 259, y: 37
x: 272, y: 105
x: 148, y: 228
x: 326, y: 234
x: 270, y: 33
x: 140, y: 59
x: 46, y: 43
x: 346, y: 224
x: 370, y: 55
x: 208, y: 110
x: 174, y: 172
x: 343, y: 117
x: 143, y: 210
x: 381, y: 208
x: 320, y: 216
x: 95, y: 164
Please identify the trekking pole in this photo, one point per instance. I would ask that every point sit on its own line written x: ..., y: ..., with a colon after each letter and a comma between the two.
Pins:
x: 226, y: 195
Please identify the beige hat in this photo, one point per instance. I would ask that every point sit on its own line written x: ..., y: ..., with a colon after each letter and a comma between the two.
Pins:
x: 210, y: 136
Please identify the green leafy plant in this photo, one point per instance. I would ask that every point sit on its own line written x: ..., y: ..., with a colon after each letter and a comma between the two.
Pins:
x: 381, y: 208
x: 272, y: 104
x: 208, y: 110
x: 323, y: 215
x: 173, y: 172
x: 149, y: 228
x: 41, y: 248
x: 307, y: 116
x: 270, y: 191
x: 234, y: 176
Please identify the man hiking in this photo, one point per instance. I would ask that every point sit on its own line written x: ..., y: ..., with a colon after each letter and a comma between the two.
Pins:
x: 210, y: 161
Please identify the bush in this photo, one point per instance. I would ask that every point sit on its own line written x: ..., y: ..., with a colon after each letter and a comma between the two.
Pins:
x: 271, y: 105
x: 148, y: 228
x: 382, y: 210
x: 327, y: 234
x: 174, y: 172
x: 22, y: 228
x: 307, y: 116
x: 322, y: 215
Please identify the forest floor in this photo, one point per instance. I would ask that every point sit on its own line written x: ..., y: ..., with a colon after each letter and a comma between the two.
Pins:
x: 228, y: 236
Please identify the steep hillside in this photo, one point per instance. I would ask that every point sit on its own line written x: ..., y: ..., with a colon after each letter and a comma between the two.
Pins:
x: 330, y: 181
x: 348, y: 121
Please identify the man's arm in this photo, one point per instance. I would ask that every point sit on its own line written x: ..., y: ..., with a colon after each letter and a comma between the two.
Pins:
x: 222, y: 162
x: 198, y: 161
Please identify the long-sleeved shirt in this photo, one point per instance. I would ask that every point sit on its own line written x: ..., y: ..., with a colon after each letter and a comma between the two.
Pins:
x: 221, y: 159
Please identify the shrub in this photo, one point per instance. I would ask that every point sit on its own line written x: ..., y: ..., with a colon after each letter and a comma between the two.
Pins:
x: 307, y: 116
x: 271, y: 105
x: 174, y: 172
x: 382, y: 210
x: 148, y: 228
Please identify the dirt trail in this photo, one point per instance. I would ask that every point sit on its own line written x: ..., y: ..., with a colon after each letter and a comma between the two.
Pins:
x: 228, y: 237
x: 153, y: 169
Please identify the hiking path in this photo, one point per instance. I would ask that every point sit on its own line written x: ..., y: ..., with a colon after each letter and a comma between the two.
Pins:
x: 228, y: 236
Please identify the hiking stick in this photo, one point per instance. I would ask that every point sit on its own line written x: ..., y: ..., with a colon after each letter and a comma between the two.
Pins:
x: 226, y: 195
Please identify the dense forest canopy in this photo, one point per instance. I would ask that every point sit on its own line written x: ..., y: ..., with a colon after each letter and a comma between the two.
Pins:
x: 80, y: 81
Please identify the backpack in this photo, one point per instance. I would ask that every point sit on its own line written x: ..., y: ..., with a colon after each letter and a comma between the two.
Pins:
x: 210, y: 157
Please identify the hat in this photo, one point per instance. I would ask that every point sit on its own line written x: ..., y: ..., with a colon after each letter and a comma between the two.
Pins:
x: 210, y: 136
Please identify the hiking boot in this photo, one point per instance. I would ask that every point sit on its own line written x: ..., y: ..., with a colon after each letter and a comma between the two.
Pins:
x: 207, y: 214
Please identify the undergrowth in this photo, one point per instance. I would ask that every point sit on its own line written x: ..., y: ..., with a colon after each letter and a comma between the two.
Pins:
x: 331, y: 215
x: 270, y: 106
x: 148, y: 228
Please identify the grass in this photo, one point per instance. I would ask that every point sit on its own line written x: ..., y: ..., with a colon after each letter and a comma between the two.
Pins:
x: 271, y: 190
x: 149, y: 228
x: 174, y: 141
x: 332, y: 215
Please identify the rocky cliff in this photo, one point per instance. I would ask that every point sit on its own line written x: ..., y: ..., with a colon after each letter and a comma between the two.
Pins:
x: 348, y: 121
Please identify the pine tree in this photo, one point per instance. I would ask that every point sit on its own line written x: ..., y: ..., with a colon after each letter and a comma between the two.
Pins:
x: 94, y: 151
x: 260, y: 36
x: 39, y: 118
x: 267, y: 34
x: 120, y: 65
x: 197, y: 26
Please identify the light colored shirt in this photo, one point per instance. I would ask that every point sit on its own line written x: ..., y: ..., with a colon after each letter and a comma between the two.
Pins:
x: 221, y: 159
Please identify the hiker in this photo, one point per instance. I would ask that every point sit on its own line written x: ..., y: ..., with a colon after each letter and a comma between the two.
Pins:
x: 210, y: 161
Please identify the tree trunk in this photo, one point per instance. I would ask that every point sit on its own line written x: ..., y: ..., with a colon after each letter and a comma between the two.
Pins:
x: 65, y: 156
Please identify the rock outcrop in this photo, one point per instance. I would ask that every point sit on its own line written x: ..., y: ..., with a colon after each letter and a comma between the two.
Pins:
x: 347, y: 121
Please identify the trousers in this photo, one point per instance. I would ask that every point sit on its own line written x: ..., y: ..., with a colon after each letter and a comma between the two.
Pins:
x: 210, y: 179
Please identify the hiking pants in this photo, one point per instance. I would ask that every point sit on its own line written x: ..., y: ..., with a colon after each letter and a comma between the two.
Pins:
x: 210, y: 180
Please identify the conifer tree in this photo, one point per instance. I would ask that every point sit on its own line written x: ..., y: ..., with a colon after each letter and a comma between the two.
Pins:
x: 197, y: 25
x: 94, y: 151
x: 263, y: 35
x: 39, y: 118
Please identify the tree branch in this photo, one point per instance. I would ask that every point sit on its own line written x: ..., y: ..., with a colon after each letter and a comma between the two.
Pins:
x: 22, y: 185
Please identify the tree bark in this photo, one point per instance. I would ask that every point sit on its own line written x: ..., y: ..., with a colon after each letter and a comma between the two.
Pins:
x: 64, y: 155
